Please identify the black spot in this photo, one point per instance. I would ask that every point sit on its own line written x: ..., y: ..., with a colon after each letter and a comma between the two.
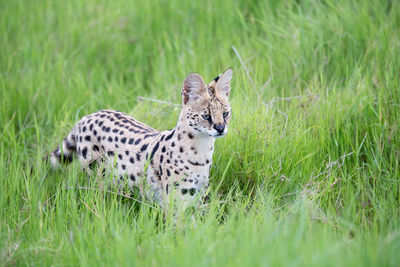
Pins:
x: 123, y: 140
x: 111, y: 119
x: 110, y: 153
x: 138, y: 156
x: 94, y: 132
x: 132, y: 177
x: 195, y: 163
x: 173, y: 144
x: 101, y: 123
x: 207, y: 161
x: 163, y: 149
x: 115, y: 131
x: 84, y: 129
x: 127, y: 152
x: 179, y: 136
x: 181, y: 149
x: 123, y: 166
x: 87, y: 137
x: 166, y: 188
x: 107, y: 130
x: 170, y: 135
x: 176, y: 184
x: 168, y: 173
x: 135, y: 125
x: 84, y: 152
x: 161, y: 158
x: 91, y: 127
x: 184, y: 191
x: 144, y: 147
x: 131, y: 141
x: 92, y: 165
x: 80, y: 138
x: 116, y: 139
x: 168, y: 161
x: 70, y: 145
x: 102, y: 115
x: 138, y: 141
x: 109, y: 139
x: 131, y: 160
x: 154, y: 150
x: 120, y: 156
x: 190, y: 135
x: 96, y: 148
x: 176, y: 172
x: 192, y: 191
x: 64, y: 158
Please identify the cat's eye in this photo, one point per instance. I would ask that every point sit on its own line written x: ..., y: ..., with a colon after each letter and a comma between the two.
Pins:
x: 225, y: 114
x: 207, y: 117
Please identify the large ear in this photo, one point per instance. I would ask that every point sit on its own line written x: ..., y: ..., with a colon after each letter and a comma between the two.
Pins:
x: 194, y: 88
x: 223, y: 86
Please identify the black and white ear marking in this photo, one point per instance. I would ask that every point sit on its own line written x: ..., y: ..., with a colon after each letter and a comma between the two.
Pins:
x: 194, y: 88
x: 223, y: 86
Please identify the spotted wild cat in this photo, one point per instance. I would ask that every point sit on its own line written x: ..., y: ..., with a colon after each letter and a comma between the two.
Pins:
x: 177, y: 160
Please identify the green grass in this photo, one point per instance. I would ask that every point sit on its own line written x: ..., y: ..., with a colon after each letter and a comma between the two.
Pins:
x: 307, y: 176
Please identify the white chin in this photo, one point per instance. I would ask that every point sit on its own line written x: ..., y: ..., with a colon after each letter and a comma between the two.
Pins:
x: 215, y: 134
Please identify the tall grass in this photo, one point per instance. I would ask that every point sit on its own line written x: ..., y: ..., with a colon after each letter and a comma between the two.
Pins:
x: 308, y: 174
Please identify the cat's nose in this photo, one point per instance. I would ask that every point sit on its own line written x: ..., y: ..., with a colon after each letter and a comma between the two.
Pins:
x: 219, y: 127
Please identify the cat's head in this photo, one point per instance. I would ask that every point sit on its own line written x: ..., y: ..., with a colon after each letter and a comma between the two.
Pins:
x: 206, y: 107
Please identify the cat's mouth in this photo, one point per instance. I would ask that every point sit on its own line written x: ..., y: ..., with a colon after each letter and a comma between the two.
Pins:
x: 218, y: 135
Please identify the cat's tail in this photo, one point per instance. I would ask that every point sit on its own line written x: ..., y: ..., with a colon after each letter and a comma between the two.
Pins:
x: 63, y: 153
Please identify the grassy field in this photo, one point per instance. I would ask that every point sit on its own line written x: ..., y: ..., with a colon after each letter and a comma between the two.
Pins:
x: 307, y: 176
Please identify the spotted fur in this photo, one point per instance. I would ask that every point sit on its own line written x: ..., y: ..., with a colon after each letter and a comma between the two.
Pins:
x: 176, y: 160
